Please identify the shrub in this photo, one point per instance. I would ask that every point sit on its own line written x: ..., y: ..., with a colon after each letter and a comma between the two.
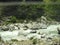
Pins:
x: 13, y: 19
x: 25, y: 12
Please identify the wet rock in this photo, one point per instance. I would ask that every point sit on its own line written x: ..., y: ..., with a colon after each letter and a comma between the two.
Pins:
x: 4, y: 28
x: 33, y: 31
x: 16, y: 28
x: 25, y: 27
x: 29, y: 25
x: 49, y: 38
x: 43, y: 26
x: 35, y: 26
x: 43, y: 20
x: 58, y: 29
x: 13, y: 27
x: 43, y: 36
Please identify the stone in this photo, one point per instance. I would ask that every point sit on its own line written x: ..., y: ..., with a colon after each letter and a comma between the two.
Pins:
x: 15, y: 28
x: 33, y: 31
x: 43, y: 36
x: 4, y: 28
x: 58, y: 29
x: 25, y: 27
x: 43, y: 26
x: 43, y: 20
x: 29, y: 25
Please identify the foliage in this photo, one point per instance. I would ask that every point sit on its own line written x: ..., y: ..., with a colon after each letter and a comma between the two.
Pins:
x: 13, y: 19
x: 53, y: 12
x: 24, y: 12
x: 32, y: 12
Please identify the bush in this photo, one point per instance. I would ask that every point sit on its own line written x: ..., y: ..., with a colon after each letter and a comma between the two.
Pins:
x: 13, y: 19
x: 52, y: 11
x: 32, y: 12
x: 25, y: 12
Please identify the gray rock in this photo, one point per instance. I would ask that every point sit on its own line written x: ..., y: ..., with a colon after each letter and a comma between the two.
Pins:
x: 4, y: 28
x: 43, y: 20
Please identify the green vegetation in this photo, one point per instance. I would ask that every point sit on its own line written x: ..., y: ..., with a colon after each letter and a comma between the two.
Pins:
x: 19, y: 13
x: 22, y: 12
x: 52, y: 10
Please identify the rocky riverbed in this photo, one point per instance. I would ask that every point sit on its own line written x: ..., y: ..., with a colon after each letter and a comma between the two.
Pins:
x: 30, y: 34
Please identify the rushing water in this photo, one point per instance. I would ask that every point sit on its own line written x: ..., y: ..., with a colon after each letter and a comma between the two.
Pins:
x: 8, y: 35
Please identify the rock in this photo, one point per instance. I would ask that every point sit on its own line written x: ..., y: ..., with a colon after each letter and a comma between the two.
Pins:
x: 36, y: 30
x: 38, y: 36
x: 37, y: 26
x: 0, y: 38
x: 4, y: 28
x: 43, y: 26
x: 32, y: 26
x: 43, y: 20
x: 13, y: 43
x: 29, y: 25
x: 43, y: 36
x: 58, y: 29
x: 49, y: 38
x: 0, y: 28
x: 25, y: 27
x: 11, y: 27
x: 15, y: 28
x: 33, y: 31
